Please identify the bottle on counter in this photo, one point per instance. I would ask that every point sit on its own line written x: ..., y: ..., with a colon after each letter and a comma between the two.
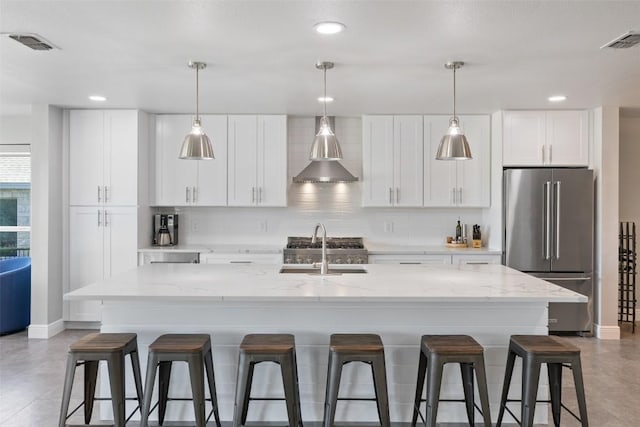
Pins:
x: 458, y: 232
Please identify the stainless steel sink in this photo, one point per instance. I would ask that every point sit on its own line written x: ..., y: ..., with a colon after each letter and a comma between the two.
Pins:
x: 316, y: 271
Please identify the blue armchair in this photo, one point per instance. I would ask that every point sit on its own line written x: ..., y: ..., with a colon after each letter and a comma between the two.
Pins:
x: 15, y: 294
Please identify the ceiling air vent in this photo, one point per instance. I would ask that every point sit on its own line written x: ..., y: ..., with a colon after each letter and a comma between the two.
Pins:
x: 32, y: 41
x: 625, y: 41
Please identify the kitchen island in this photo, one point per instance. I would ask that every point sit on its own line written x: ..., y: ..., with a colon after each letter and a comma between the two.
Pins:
x: 399, y: 302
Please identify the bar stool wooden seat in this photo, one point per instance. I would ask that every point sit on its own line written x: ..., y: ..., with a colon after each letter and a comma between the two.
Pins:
x: 276, y: 348
x: 534, y: 351
x: 435, y: 352
x: 89, y: 351
x: 195, y: 350
x: 347, y: 348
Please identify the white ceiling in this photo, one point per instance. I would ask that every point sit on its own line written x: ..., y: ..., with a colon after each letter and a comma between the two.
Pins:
x: 261, y: 55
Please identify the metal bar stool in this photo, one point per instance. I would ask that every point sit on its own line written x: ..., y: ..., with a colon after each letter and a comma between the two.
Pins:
x: 347, y: 348
x: 195, y: 349
x: 276, y: 348
x: 88, y: 352
x: 435, y: 352
x: 536, y: 350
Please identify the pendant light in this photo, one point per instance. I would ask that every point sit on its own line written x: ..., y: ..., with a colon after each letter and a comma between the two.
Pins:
x: 454, y: 145
x: 196, y: 145
x: 325, y: 144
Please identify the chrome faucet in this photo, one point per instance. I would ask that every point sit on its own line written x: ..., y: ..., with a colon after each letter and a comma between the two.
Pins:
x: 324, y: 267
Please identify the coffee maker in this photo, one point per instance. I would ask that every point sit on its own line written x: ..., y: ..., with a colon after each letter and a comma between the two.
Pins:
x: 165, y: 229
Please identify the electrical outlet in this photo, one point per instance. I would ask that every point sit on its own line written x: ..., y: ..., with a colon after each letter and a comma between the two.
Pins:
x: 195, y: 225
x: 388, y: 227
x: 263, y: 226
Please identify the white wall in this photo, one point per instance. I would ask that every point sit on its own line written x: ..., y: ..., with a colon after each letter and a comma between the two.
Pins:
x: 15, y: 129
x: 338, y: 206
x: 46, y: 220
x: 630, y: 166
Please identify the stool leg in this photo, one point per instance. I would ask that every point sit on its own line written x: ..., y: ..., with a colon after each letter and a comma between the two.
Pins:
x: 196, y: 374
x: 247, y: 394
x: 116, y: 381
x: 422, y: 369
x: 241, y: 388
x: 380, y: 384
x: 555, y: 388
x: 576, y: 367
x: 530, y: 380
x: 90, y: 379
x: 508, y: 373
x: 289, y: 382
x: 164, y: 379
x: 483, y: 391
x: 66, y: 391
x: 152, y: 365
x: 208, y: 364
x: 434, y: 381
x: 137, y: 377
x: 295, y: 366
x: 466, y: 369
x: 333, y: 386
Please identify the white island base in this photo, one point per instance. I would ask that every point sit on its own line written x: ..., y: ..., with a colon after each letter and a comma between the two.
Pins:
x: 400, y: 303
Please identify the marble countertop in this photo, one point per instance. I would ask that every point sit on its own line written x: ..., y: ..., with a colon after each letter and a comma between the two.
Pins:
x: 381, y: 283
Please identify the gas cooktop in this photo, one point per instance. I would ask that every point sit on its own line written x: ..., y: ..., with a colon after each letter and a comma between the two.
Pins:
x: 340, y: 250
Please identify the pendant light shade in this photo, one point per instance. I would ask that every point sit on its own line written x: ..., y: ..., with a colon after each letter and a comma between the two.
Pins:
x: 325, y: 145
x: 454, y: 144
x: 197, y: 145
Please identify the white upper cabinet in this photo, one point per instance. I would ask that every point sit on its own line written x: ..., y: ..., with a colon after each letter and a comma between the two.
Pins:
x: 545, y: 138
x: 190, y: 182
x: 257, y: 160
x: 103, y: 157
x: 461, y: 183
x: 392, y: 161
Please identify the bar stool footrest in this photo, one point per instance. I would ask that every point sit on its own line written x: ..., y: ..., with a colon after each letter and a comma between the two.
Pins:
x: 562, y: 405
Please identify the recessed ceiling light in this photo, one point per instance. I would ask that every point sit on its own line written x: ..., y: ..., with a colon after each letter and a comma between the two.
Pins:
x: 97, y: 98
x: 557, y: 98
x: 325, y: 99
x: 329, y: 27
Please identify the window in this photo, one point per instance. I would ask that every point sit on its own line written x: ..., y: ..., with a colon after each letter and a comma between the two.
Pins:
x: 15, y: 200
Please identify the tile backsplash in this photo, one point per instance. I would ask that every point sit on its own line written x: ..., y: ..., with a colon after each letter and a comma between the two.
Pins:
x: 338, y: 206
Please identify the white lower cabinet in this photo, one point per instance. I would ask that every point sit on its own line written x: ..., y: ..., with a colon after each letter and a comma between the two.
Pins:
x: 240, y: 258
x: 410, y: 259
x: 476, y: 259
x: 103, y: 242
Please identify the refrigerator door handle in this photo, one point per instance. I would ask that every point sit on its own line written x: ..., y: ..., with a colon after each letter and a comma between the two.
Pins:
x: 546, y: 220
x: 557, y: 219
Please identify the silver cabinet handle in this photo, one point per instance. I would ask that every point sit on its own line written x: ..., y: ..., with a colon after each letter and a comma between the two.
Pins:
x: 544, y: 154
x: 397, y: 195
x: 106, y: 223
x: 477, y: 262
x: 460, y: 195
x: 546, y: 219
x: 99, y: 221
x: 557, y: 221
x: 453, y: 195
x: 410, y: 263
x: 566, y: 279
x: 99, y: 197
x: 186, y: 197
x: 240, y: 262
x: 195, y: 195
x: 390, y: 195
x: 253, y: 194
x: 106, y: 194
x: 550, y: 154
x: 259, y: 194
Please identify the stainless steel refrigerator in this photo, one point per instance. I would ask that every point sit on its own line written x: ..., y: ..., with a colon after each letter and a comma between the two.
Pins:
x: 548, y: 217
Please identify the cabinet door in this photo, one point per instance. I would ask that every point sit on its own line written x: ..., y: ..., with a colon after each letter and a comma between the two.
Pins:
x: 86, y: 169
x: 211, y: 185
x: 474, y: 176
x: 476, y: 259
x: 243, y: 157
x: 121, y: 157
x: 567, y: 139
x: 439, y: 175
x: 175, y: 178
x: 524, y: 138
x: 408, y: 160
x: 272, y: 161
x: 377, y: 161
x: 86, y: 255
x: 121, y: 240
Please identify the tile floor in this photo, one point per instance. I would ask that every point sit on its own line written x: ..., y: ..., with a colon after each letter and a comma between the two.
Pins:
x: 32, y: 373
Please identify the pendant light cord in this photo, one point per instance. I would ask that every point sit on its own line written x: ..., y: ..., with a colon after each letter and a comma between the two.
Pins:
x: 454, y: 92
x: 325, y: 91
x: 198, y: 91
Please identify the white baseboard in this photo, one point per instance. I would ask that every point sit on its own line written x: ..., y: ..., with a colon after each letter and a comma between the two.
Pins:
x: 607, y: 332
x: 81, y: 325
x: 46, y: 331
